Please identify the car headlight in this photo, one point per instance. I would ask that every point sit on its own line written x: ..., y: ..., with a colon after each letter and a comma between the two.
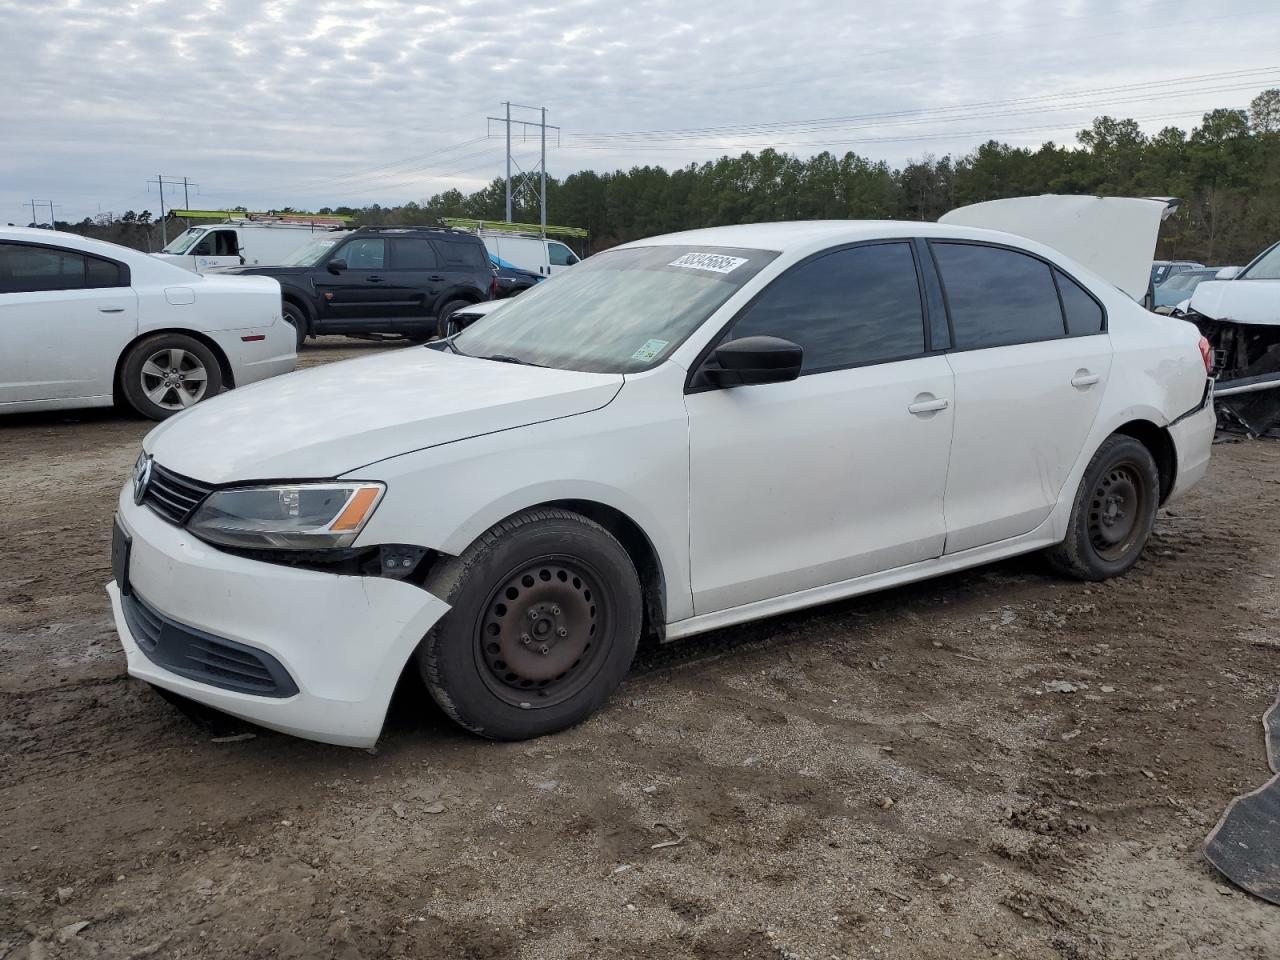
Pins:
x: 302, y: 516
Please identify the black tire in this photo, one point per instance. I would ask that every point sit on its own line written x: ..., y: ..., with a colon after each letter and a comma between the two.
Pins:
x: 1113, y: 514
x: 544, y: 621
x: 161, y: 374
x: 446, y: 312
x: 296, y: 317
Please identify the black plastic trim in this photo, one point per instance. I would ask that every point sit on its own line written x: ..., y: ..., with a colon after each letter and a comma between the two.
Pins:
x: 204, y: 657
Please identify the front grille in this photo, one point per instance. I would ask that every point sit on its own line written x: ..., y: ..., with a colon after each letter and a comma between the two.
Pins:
x: 201, y: 656
x: 172, y: 495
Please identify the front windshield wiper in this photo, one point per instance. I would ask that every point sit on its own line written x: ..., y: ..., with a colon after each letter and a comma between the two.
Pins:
x: 507, y: 358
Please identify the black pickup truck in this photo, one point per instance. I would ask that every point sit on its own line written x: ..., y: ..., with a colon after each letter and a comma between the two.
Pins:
x: 384, y: 280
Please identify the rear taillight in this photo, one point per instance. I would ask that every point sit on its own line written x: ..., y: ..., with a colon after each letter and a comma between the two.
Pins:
x: 1206, y: 354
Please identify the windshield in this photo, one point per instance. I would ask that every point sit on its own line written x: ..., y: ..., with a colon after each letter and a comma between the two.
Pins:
x: 620, y: 311
x: 312, y: 252
x: 184, y: 241
x: 1158, y: 272
x: 1266, y: 267
x: 1183, y: 281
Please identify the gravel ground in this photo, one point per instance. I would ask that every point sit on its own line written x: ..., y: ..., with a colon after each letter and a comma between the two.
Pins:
x: 997, y: 763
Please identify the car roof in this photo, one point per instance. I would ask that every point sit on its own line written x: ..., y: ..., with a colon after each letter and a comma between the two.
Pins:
x: 72, y: 241
x: 802, y: 235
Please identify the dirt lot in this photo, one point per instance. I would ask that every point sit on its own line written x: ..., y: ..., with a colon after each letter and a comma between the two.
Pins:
x: 882, y: 778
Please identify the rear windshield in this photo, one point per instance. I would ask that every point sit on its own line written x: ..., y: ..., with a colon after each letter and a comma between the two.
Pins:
x: 620, y: 311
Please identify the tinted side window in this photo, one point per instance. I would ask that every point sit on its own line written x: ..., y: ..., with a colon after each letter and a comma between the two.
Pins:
x: 466, y: 253
x: 1084, y: 314
x: 997, y: 297
x: 854, y: 306
x: 365, y: 254
x: 25, y: 269
x: 104, y: 273
x: 225, y: 243
x: 410, y: 254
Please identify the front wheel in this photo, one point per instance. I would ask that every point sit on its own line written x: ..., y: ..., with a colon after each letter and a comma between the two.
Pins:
x: 1113, y: 514
x: 166, y: 373
x: 294, y: 316
x: 544, y: 621
x: 445, y: 327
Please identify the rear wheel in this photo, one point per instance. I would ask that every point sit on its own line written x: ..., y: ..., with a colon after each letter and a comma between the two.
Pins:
x: 294, y: 315
x: 544, y: 621
x: 166, y: 373
x: 444, y: 322
x: 1113, y: 514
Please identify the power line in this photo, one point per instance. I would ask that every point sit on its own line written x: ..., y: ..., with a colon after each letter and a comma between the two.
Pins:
x: 896, y: 117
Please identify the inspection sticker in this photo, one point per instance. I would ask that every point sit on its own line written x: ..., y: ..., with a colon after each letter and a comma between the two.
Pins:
x: 650, y: 350
x: 714, y: 262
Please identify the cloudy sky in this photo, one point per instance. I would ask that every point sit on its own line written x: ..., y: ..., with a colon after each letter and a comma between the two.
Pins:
x: 268, y: 103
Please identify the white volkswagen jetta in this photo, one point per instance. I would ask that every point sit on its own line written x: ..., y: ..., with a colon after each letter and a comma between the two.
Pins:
x: 88, y: 323
x: 679, y: 434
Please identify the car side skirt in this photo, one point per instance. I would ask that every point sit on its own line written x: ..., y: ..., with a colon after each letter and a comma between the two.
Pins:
x: 1037, y: 539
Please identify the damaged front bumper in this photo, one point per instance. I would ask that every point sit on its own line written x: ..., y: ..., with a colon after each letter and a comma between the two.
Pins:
x: 326, y: 649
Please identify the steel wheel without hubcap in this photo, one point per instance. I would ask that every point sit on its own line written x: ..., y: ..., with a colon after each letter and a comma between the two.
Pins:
x: 1119, y: 501
x: 174, y: 379
x: 536, y: 636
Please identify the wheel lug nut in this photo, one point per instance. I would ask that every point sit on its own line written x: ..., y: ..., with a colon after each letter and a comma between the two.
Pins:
x: 563, y: 632
x: 544, y: 649
x: 533, y: 614
x: 555, y: 611
x: 525, y: 638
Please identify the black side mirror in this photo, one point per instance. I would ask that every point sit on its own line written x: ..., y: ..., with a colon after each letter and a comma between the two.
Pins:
x: 755, y: 360
x: 336, y: 266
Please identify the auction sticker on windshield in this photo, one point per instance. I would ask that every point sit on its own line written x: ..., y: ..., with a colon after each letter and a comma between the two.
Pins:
x: 713, y: 262
x: 650, y: 350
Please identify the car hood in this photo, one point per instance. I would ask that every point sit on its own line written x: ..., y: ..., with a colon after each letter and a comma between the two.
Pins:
x: 1238, y: 301
x: 1115, y: 237
x: 330, y: 420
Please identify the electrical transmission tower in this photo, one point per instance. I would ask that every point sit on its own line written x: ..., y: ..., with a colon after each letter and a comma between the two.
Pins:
x: 526, y: 179
x: 53, y: 225
x: 162, y: 181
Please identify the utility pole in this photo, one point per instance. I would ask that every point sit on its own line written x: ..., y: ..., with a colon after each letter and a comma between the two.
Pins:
x: 53, y: 223
x: 526, y: 179
x: 542, y: 199
x: 508, y: 161
x: 160, y: 182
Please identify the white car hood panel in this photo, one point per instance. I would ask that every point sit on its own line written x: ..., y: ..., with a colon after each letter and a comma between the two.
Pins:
x: 1239, y: 301
x: 1115, y: 237
x: 330, y: 420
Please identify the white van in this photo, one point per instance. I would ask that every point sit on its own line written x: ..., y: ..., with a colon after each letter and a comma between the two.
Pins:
x: 237, y: 243
x: 535, y: 254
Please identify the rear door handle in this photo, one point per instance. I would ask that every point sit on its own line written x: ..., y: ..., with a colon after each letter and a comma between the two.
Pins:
x: 1084, y: 378
x: 932, y: 405
x: 111, y: 309
x: 374, y: 279
x: 436, y: 279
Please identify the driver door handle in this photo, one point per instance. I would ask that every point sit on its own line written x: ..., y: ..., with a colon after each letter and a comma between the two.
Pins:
x: 1084, y: 378
x: 929, y: 406
x: 436, y: 278
x: 373, y: 278
x: 111, y: 309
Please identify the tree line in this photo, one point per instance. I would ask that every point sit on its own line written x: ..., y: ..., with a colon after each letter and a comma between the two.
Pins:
x: 1226, y: 170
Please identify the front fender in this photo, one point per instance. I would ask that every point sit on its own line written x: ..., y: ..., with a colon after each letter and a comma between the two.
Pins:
x: 631, y: 455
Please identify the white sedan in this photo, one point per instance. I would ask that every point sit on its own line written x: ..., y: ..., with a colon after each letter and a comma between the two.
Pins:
x: 87, y: 323
x: 679, y: 434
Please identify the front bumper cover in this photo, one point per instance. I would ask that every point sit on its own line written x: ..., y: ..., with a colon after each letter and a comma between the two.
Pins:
x: 344, y: 640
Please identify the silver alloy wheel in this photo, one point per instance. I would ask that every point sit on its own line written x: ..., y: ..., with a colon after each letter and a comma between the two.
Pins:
x: 174, y: 378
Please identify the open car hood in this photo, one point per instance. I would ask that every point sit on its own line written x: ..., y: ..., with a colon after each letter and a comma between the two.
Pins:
x: 1115, y: 237
x: 1239, y: 301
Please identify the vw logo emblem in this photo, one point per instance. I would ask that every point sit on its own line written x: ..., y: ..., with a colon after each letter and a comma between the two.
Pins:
x: 141, y: 478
